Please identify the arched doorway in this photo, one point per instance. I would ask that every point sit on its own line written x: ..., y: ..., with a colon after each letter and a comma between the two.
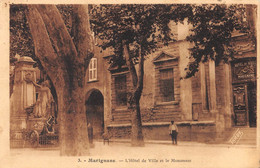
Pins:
x: 95, y: 112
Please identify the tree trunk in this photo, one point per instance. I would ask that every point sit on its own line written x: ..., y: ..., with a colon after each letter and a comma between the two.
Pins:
x: 134, y: 98
x: 73, y: 123
x: 137, y: 133
x: 66, y: 68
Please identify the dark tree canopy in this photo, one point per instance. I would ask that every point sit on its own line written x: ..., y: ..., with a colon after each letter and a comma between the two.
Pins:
x: 211, y: 32
x: 20, y: 38
x: 145, y: 25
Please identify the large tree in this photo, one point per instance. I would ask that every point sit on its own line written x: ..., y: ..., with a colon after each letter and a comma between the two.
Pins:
x: 65, y: 61
x: 135, y: 31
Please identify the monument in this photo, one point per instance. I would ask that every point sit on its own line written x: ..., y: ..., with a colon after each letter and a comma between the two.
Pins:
x: 23, y: 96
x: 30, y: 103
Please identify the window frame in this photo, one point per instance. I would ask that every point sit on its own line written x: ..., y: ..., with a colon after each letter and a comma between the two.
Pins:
x: 160, y: 94
x: 117, y: 91
x: 92, y: 70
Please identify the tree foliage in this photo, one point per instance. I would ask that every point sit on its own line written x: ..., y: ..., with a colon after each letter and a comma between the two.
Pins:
x: 20, y: 38
x: 211, y: 32
x: 145, y: 25
x: 212, y: 28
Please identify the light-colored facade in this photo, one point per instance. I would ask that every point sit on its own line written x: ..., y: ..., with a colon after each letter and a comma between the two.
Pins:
x: 215, y: 100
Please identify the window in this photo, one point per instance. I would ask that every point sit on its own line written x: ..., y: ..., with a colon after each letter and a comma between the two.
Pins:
x: 120, y: 89
x: 204, y: 74
x: 93, y: 69
x: 166, y: 85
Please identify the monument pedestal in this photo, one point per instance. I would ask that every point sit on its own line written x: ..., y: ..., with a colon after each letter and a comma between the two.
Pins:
x: 21, y: 127
x: 23, y: 96
x: 18, y: 125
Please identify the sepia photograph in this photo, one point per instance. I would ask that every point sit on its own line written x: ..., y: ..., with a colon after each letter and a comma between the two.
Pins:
x: 148, y: 84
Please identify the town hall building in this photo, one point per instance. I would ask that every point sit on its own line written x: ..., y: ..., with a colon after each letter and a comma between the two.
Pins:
x: 207, y: 107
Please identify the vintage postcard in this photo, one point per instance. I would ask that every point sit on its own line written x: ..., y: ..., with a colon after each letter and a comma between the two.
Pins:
x: 129, y: 84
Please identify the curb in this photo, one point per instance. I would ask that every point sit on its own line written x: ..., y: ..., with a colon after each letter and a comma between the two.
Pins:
x: 187, y: 143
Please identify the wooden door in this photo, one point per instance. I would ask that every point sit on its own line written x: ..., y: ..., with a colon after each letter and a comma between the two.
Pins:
x: 251, y: 91
x: 240, y: 104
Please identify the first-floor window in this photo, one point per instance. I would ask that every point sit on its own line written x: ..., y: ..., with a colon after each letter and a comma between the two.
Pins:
x: 93, y: 69
x: 121, y: 90
x: 166, y: 85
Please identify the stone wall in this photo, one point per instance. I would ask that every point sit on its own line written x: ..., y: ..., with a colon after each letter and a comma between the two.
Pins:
x: 188, y: 131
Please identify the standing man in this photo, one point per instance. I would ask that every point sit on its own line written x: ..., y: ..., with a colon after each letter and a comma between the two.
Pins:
x: 90, y: 134
x: 173, y: 132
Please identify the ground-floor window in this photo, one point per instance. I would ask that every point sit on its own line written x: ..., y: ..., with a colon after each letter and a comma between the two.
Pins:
x: 121, y: 90
x: 166, y: 85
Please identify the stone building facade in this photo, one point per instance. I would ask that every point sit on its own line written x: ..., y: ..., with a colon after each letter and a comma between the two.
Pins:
x: 205, y: 107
